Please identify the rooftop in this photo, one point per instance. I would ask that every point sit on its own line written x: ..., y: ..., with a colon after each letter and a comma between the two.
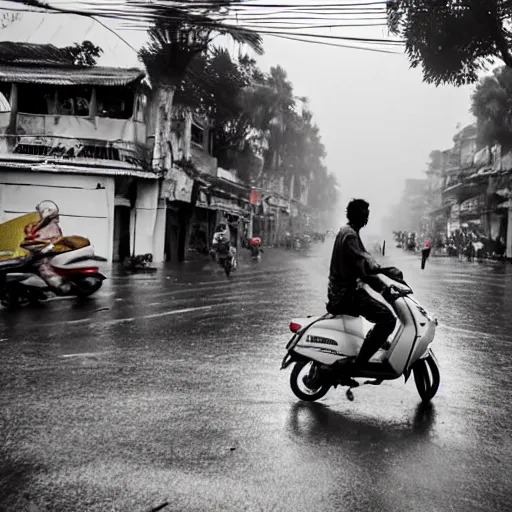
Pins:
x: 69, y: 75
x: 33, y: 54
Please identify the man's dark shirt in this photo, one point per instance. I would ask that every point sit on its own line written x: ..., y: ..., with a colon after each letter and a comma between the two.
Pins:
x: 350, y: 261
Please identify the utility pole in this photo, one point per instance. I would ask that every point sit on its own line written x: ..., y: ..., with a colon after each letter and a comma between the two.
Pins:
x: 290, y: 197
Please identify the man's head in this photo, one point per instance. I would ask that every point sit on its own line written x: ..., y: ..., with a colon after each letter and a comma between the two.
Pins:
x: 358, y: 212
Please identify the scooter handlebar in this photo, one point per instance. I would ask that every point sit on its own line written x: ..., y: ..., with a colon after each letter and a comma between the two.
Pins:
x: 391, y: 283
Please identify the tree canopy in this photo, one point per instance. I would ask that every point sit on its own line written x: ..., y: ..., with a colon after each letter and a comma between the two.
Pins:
x: 452, y: 40
x: 256, y: 117
x: 84, y: 54
x: 491, y: 104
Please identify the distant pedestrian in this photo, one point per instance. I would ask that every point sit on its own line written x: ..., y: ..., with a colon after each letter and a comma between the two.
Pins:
x: 425, y: 253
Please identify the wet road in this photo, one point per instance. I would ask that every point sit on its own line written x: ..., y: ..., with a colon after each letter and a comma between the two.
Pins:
x: 166, y: 388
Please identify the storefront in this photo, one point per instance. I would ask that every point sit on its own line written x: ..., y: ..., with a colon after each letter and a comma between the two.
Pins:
x: 181, y: 192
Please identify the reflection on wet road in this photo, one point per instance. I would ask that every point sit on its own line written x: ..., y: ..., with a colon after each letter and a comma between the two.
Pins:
x: 166, y: 388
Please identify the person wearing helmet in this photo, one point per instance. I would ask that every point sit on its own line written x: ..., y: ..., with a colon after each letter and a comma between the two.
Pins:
x: 255, y: 247
x: 45, y: 232
x: 221, y: 242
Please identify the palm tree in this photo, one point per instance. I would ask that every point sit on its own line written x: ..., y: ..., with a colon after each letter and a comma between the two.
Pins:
x: 174, y: 40
x: 270, y: 104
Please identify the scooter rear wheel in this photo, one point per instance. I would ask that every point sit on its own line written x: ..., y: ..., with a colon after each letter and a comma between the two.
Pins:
x: 300, y: 390
x: 87, y: 287
x: 426, y: 377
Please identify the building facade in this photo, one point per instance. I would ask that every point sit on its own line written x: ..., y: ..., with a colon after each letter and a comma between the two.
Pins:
x: 77, y: 136
x: 84, y: 137
x: 475, y: 194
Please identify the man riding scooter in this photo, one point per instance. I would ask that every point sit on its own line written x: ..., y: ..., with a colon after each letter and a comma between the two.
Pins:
x: 351, y: 264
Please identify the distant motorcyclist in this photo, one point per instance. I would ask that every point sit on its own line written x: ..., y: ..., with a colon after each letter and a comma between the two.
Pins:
x: 221, y: 238
x: 350, y: 264
x: 255, y: 247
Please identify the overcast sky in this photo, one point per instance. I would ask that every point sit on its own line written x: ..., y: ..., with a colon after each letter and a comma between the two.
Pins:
x: 377, y: 118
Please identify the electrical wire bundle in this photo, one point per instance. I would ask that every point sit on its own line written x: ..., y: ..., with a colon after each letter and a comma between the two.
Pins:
x: 320, y: 22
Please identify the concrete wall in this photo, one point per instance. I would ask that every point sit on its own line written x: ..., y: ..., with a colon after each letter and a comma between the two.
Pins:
x: 148, y: 221
x: 84, y: 209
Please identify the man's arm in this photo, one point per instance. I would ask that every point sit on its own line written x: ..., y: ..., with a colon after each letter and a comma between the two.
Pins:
x: 362, y: 262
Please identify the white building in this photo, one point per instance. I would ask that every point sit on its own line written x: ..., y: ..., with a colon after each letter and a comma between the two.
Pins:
x: 78, y: 137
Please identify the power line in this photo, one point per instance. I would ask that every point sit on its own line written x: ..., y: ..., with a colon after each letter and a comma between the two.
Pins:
x: 145, y: 16
x: 295, y: 38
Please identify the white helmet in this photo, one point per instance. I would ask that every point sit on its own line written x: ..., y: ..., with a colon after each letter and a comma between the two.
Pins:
x: 47, y: 209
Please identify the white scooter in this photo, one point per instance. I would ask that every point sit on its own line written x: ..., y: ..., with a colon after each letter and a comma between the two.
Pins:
x: 20, y: 281
x: 319, y: 342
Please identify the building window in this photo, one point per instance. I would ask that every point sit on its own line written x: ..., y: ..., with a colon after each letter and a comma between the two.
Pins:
x: 36, y: 99
x: 73, y: 100
x: 5, y: 92
x: 197, y: 135
x: 49, y: 100
x: 4, y: 104
x: 115, y: 102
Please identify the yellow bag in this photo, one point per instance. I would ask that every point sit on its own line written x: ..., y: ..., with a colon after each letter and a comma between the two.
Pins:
x: 12, y: 234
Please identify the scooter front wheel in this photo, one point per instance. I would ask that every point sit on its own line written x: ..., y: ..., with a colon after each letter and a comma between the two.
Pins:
x: 426, y: 377
x: 300, y: 390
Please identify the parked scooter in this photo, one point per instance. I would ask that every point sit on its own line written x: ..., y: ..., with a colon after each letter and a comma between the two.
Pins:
x: 71, y: 258
x: 318, y: 342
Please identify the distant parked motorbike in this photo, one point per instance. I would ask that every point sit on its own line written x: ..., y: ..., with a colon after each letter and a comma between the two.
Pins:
x: 139, y: 262
x: 318, y: 342
x: 72, y: 258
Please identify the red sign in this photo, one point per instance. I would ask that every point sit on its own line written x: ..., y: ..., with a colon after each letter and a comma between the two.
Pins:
x: 255, y: 197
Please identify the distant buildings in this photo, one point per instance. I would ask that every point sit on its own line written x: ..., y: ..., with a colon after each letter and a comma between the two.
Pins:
x: 468, y: 190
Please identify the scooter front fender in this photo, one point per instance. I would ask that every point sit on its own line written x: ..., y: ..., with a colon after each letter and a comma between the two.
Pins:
x: 428, y: 353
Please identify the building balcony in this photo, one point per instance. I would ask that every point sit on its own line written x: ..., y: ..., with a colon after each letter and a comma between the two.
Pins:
x: 78, y: 127
x: 74, y: 140
x: 204, y: 163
